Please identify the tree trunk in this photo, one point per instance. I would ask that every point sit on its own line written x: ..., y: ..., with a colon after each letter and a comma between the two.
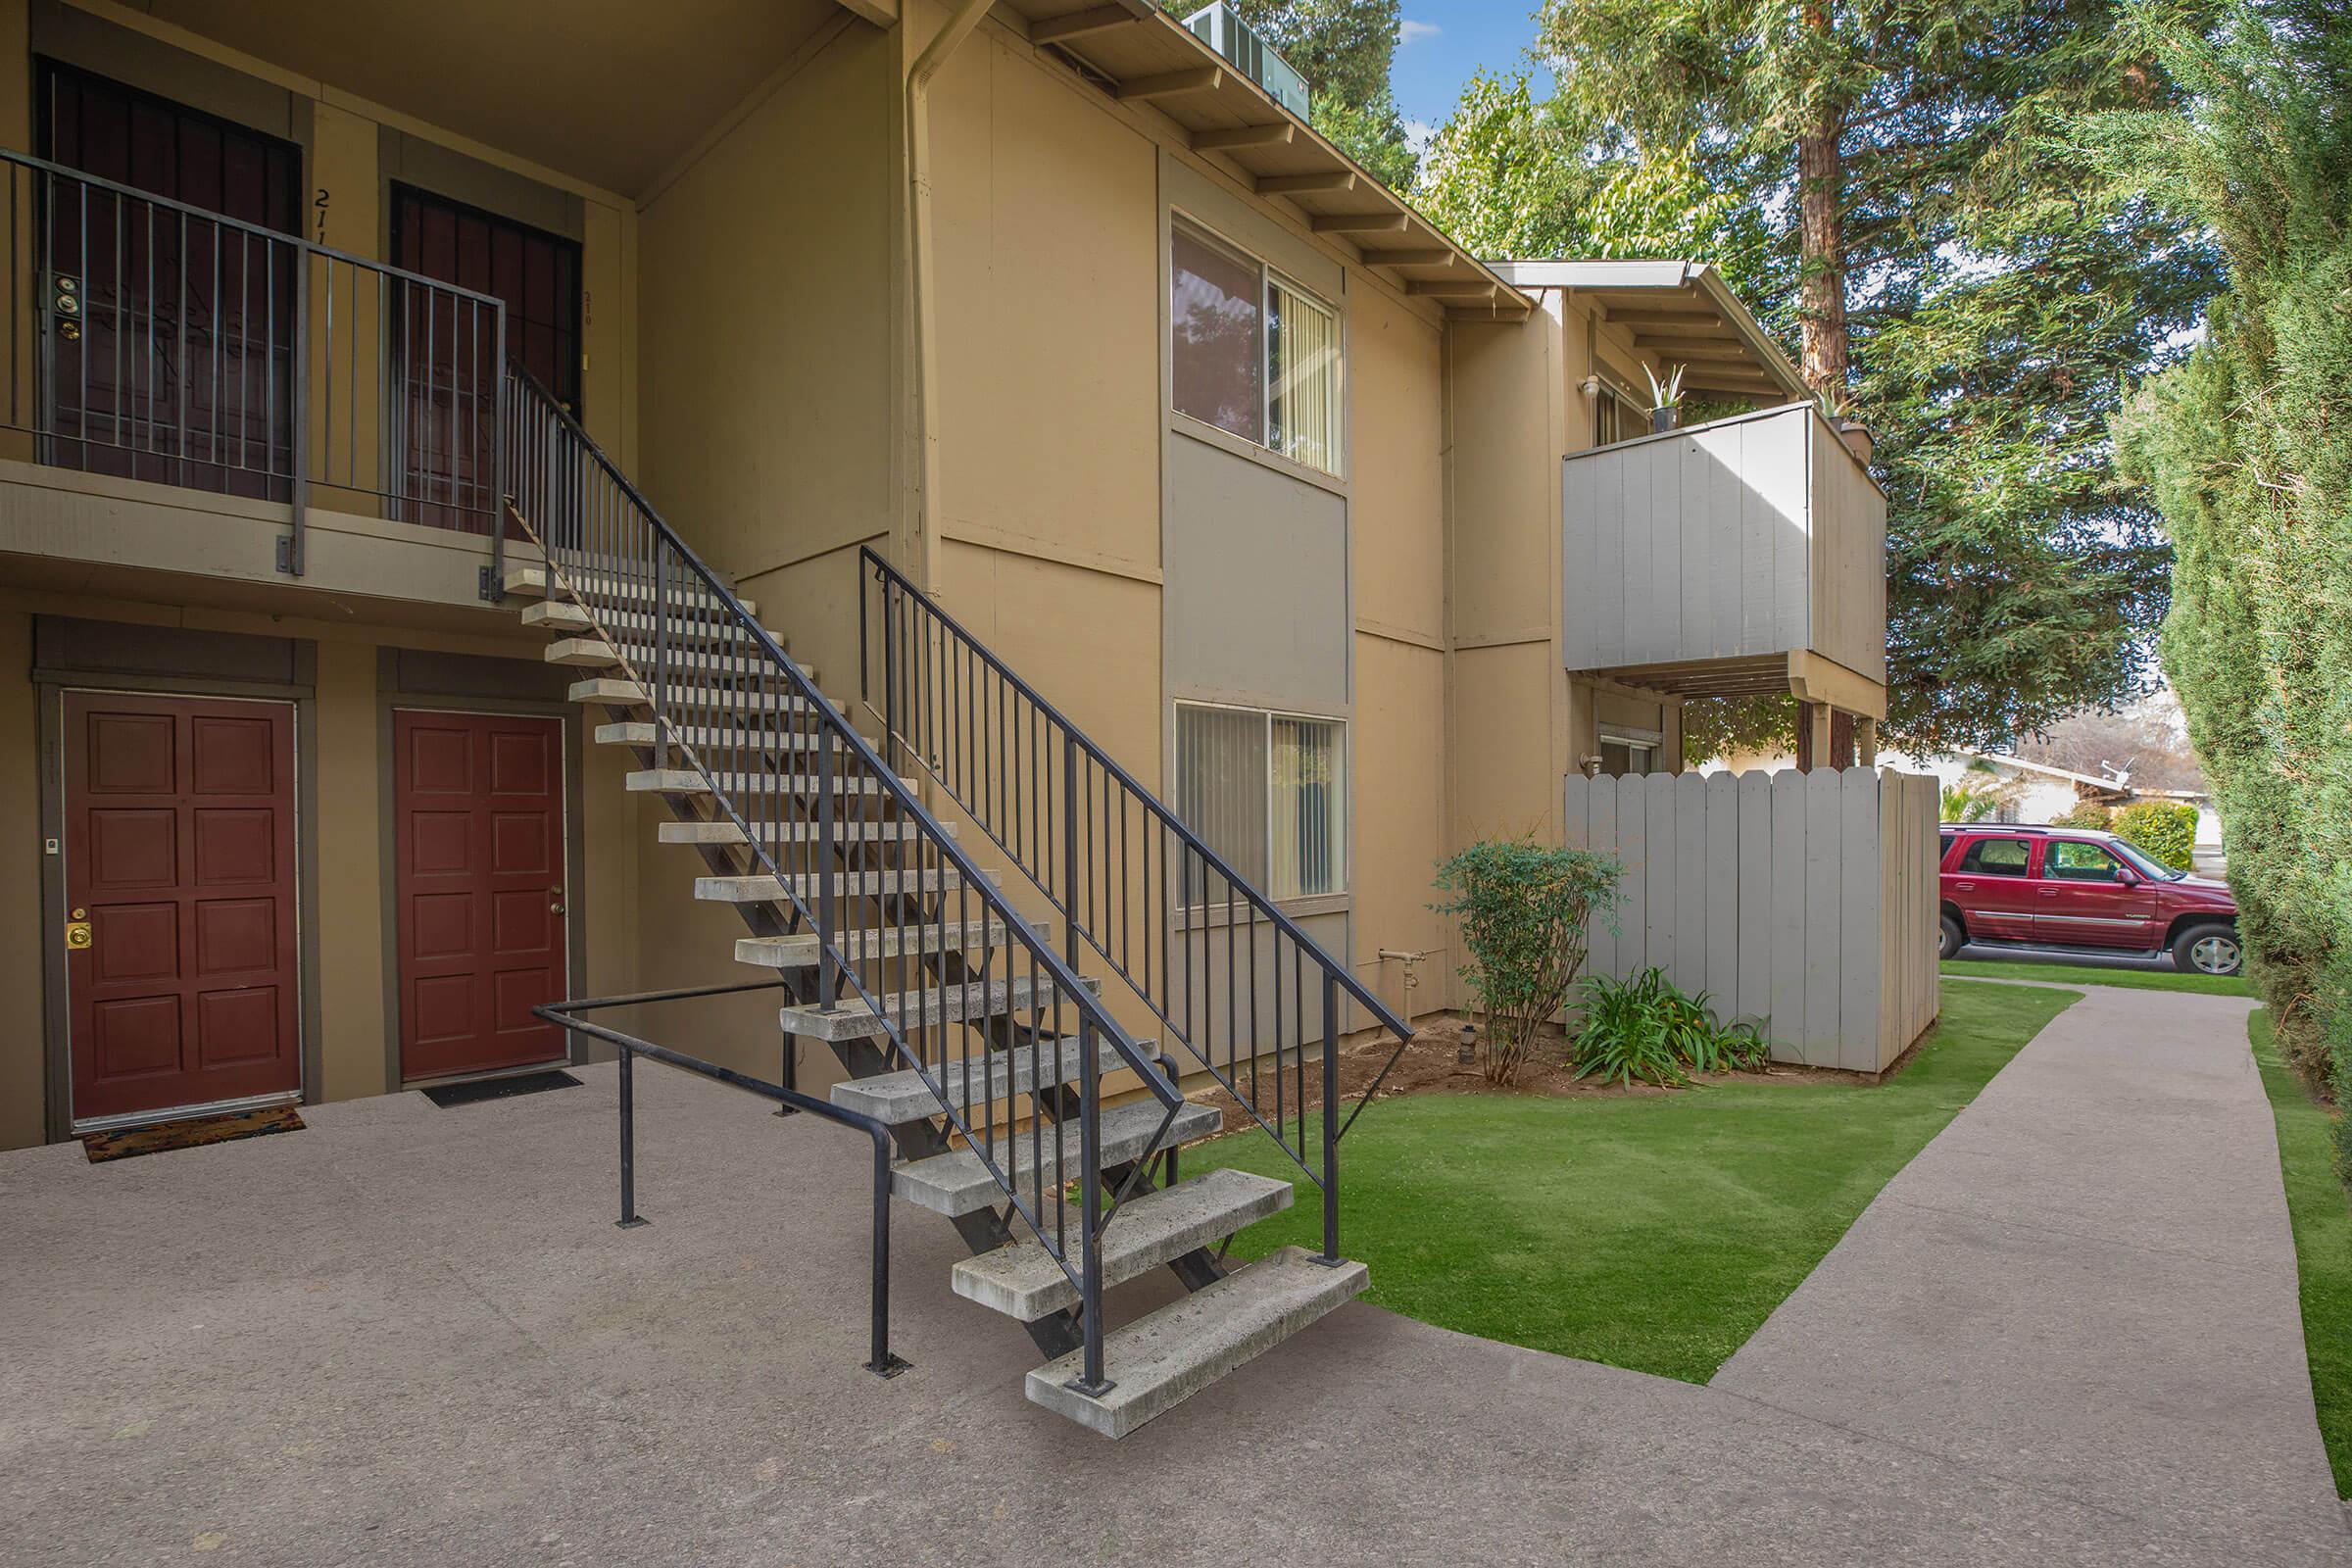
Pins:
x: 1820, y: 238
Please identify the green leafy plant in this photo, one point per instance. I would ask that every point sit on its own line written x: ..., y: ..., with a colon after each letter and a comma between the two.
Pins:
x: 1522, y: 909
x: 2166, y: 829
x: 1647, y: 1029
x: 2088, y: 814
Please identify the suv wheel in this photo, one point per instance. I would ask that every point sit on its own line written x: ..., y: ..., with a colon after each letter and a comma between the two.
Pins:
x: 2208, y: 950
x: 1952, y: 939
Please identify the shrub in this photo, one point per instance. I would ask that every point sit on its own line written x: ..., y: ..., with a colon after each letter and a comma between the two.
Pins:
x: 1522, y: 909
x: 1646, y: 1028
x: 2166, y: 829
x: 2086, y: 814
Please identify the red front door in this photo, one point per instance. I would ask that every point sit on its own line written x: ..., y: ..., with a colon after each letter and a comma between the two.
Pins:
x: 179, y: 857
x: 479, y: 876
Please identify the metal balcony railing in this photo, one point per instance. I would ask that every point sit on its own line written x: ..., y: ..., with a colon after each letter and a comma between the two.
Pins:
x: 151, y: 339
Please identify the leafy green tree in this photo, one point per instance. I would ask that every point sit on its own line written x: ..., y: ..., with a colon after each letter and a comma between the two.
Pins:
x: 1344, y: 48
x: 1961, y: 274
x: 2246, y: 448
x: 1506, y: 176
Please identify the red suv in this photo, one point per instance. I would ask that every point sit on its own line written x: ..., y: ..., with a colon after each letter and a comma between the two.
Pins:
x: 2047, y: 887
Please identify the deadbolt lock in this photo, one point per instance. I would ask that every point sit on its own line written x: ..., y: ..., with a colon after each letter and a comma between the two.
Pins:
x: 78, y: 934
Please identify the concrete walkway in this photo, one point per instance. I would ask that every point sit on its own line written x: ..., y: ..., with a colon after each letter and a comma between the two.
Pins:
x: 408, y: 1334
x: 2085, y: 1285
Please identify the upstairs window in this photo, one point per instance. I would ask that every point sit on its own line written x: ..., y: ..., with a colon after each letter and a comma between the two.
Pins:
x: 1267, y: 791
x: 1252, y: 352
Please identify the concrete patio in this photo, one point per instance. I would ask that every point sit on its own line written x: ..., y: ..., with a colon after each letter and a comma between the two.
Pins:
x: 411, y: 1334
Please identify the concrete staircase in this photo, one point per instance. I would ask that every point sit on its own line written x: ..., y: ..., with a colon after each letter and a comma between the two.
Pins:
x: 978, y: 1125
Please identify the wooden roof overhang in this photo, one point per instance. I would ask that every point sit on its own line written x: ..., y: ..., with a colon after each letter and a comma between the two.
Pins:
x: 1136, y: 53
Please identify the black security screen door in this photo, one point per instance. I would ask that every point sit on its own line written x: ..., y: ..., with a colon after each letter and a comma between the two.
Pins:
x: 537, y: 276
x: 167, y: 340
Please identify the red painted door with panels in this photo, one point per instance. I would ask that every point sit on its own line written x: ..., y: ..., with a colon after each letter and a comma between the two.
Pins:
x: 478, y: 846
x: 181, y: 950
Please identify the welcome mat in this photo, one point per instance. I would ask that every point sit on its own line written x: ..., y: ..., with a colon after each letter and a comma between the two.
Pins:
x: 448, y: 1095
x: 190, y: 1132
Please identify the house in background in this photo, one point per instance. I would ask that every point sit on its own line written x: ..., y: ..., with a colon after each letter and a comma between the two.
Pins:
x: 1214, y: 543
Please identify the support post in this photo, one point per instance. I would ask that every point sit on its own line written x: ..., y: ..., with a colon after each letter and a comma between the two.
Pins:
x: 1866, y: 741
x: 629, y: 1219
x: 879, y: 1362
x: 828, y: 966
x: 1089, y: 1382
x: 791, y: 1075
x: 300, y: 491
x: 1331, y: 1122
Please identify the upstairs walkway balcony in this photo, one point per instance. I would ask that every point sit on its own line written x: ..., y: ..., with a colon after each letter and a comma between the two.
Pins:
x: 1734, y: 558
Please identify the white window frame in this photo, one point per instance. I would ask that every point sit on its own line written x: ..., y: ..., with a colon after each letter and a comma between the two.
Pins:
x: 1268, y: 274
x: 1653, y: 741
x: 1345, y: 804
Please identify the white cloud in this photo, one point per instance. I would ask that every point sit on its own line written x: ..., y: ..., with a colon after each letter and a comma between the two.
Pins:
x: 1418, y: 134
x: 1414, y: 31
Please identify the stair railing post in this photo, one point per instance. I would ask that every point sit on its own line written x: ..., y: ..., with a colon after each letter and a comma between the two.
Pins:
x: 820, y: 871
x: 629, y: 1219
x: 890, y: 668
x: 1331, y: 1120
x: 661, y: 612
x: 1091, y: 1381
x: 1069, y: 848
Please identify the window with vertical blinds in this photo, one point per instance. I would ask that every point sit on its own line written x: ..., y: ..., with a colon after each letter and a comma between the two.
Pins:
x: 1267, y: 791
x: 1251, y: 353
x: 1303, y: 378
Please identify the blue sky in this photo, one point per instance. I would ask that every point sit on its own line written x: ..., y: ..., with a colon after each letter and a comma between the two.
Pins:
x: 1445, y: 43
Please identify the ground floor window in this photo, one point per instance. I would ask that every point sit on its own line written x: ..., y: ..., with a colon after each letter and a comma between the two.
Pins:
x: 1267, y: 791
x: 1626, y: 752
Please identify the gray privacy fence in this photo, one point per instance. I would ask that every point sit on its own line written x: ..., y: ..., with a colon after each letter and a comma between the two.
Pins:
x: 1806, y: 901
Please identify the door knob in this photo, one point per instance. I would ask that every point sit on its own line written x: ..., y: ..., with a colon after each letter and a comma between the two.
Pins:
x: 554, y: 908
x: 78, y: 934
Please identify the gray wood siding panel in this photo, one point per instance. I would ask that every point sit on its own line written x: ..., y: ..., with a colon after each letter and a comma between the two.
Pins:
x: 1706, y: 544
x: 1861, y: 972
x: 1633, y: 851
x: 1689, y: 875
x: 1753, y: 794
x: 1720, y: 891
x: 1804, y: 900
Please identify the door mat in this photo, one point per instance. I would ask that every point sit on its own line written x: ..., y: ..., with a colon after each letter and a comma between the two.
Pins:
x: 192, y: 1132
x: 449, y: 1095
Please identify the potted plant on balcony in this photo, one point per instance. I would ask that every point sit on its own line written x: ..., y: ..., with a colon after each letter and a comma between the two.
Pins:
x: 1665, y: 399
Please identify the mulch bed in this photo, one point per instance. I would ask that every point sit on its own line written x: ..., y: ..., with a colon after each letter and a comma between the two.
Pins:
x: 1431, y: 1065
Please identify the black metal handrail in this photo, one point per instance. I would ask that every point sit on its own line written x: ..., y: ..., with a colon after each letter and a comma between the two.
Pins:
x: 743, y: 717
x: 994, y: 743
x: 566, y: 1016
x: 183, y: 346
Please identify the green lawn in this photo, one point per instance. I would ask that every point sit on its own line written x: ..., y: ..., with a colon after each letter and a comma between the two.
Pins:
x: 1655, y: 1233
x: 2322, y: 1216
x: 2084, y: 974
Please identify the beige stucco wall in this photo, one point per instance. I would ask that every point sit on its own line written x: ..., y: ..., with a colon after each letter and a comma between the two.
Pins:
x: 21, y: 1072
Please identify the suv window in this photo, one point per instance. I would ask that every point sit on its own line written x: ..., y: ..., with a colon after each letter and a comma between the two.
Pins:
x: 2072, y: 861
x: 1996, y: 857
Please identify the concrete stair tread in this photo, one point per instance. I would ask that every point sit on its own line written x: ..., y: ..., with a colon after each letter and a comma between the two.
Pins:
x: 959, y: 1183
x: 798, y: 950
x: 594, y: 653
x: 762, y: 888
x: 618, y: 691
x: 969, y: 1003
x: 530, y: 580
x: 704, y: 623
x: 886, y: 831
x: 1024, y: 1281
x: 691, y: 781
x: 895, y: 1098
x: 1161, y: 1359
x: 765, y: 739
